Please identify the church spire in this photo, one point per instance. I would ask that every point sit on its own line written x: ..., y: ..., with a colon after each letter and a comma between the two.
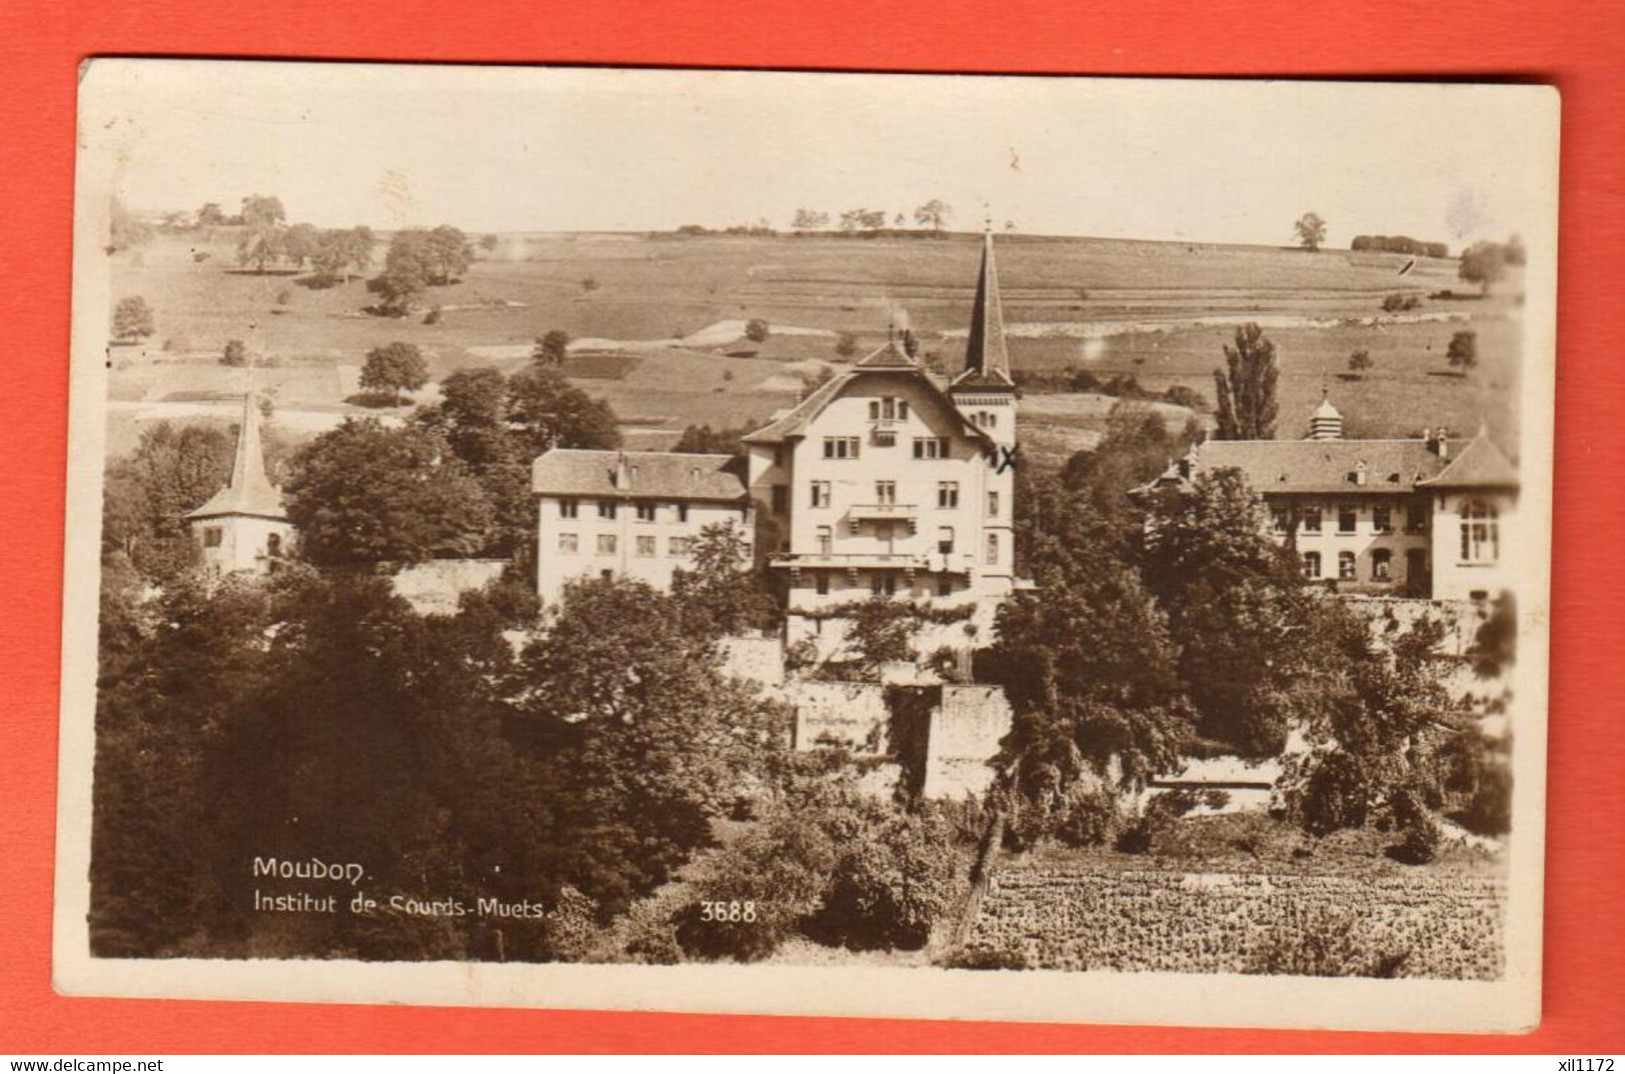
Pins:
x: 249, y: 491
x: 987, y: 361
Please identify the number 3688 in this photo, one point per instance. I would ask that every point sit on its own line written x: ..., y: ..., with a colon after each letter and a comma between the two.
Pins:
x: 728, y: 911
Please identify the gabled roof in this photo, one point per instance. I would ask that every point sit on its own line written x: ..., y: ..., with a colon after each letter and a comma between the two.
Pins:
x: 891, y: 356
x: 793, y: 422
x: 249, y: 492
x: 1322, y: 466
x: 650, y: 475
x: 1480, y: 465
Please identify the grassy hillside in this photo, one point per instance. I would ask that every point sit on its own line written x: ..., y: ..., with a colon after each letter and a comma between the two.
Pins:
x: 671, y: 311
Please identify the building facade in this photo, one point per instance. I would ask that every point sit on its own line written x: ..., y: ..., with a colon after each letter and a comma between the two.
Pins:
x: 633, y: 514
x: 885, y: 481
x: 1424, y: 518
x: 244, y: 526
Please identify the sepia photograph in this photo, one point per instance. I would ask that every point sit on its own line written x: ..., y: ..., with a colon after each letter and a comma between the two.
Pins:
x: 1051, y: 549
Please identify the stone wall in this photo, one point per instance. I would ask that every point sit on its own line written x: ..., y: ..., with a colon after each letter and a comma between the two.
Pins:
x: 966, y: 727
x: 849, y: 714
x: 433, y: 587
x: 760, y: 660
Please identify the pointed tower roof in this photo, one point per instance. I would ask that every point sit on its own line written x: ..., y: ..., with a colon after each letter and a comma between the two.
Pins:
x: 249, y: 492
x: 987, y: 361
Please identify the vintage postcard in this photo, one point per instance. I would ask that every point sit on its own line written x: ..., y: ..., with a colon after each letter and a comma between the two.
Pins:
x: 1002, y: 548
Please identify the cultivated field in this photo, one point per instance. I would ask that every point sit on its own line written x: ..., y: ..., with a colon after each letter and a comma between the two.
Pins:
x: 666, y: 315
x: 1330, y: 909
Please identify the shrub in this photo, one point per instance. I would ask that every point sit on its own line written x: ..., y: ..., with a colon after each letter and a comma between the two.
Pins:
x: 1189, y: 398
x: 846, y: 345
x: 1463, y: 350
x: 891, y: 884
x: 1420, y: 844
x: 986, y: 958
x: 1398, y: 303
x: 779, y: 872
x: 432, y: 317
x: 1336, y: 795
x: 590, y: 284
x: 756, y: 330
x: 234, y: 354
x: 284, y: 296
x: 1090, y: 818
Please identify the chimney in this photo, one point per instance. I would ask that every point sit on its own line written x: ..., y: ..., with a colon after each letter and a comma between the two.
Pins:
x: 1439, y: 444
x: 623, y: 479
x: 1359, y: 472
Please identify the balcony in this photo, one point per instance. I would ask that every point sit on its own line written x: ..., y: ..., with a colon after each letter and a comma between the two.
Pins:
x: 854, y: 561
x: 883, y: 512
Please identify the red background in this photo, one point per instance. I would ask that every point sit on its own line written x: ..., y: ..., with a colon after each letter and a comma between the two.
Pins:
x: 1579, y: 46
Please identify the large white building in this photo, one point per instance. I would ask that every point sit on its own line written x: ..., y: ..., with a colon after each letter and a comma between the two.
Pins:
x: 244, y: 526
x: 886, y: 481
x: 633, y: 514
x: 1427, y: 517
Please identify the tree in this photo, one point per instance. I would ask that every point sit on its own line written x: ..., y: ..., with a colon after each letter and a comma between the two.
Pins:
x: 489, y: 243
x: 365, y: 494
x: 472, y: 416
x: 301, y: 243
x: 810, y: 220
x: 409, y: 267
x: 934, y: 214
x: 703, y: 440
x: 262, y: 246
x: 1310, y: 230
x: 648, y: 738
x: 846, y: 345
x: 262, y: 211
x: 720, y: 593
x: 1514, y: 251
x: 1483, y: 263
x: 547, y: 411
x: 1360, y: 361
x: 551, y: 349
x: 1463, y: 350
x: 450, y: 252
x: 1246, y: 393
x: 395, y: 368
x: 756, y: 330
x: 235, y: 353
x: 211, y: 215
x: 148, y: 493
x: 881, y: 631
x: 132, y: 319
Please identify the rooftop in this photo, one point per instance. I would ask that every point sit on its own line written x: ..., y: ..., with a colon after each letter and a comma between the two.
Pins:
x: 650, y: 475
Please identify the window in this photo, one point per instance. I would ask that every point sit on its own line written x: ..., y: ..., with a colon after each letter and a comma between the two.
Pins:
x: 646, y: 513
x: 606, y: 508
x: 874, y: 410
x: 682, y: 512
x: 606, y: 544
x: 993, y: 505
x: 883, y: 585
x: 945, y: 585
x: 887, y: 408
x: 1382, y: 565
x: 677, y: 547
x: 646, y: 547
x: 569, y: 508
x: 821, y: 583
x: 840, y: 447
x: 1416, y: 518
x: 1348, y: 516
x: 930, y: 447
x: 1345, y: 566
x: 1311, y: 522
x: 1279, y: 519
x: 781, y: 499
x: 826, y: 540
x: 1382, y: 518
x: 212, y: 536
x: 983, y: 419
x: 886, y: 492
x: 820, y: 493
x: 1480, y: 532
x: 1311, y: 564
x: 945, y: 540
x: 947, y: 494
x: 569, y: 544
x: 607, y: 575
x: 992, y: 555
x: 902, y: 409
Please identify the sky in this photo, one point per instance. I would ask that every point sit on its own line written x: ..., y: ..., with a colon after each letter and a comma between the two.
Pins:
x: 532, y: 149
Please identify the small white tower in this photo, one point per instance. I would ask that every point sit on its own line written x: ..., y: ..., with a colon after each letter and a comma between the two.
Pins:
x: 244, y: 527
x: 1327, y: 423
